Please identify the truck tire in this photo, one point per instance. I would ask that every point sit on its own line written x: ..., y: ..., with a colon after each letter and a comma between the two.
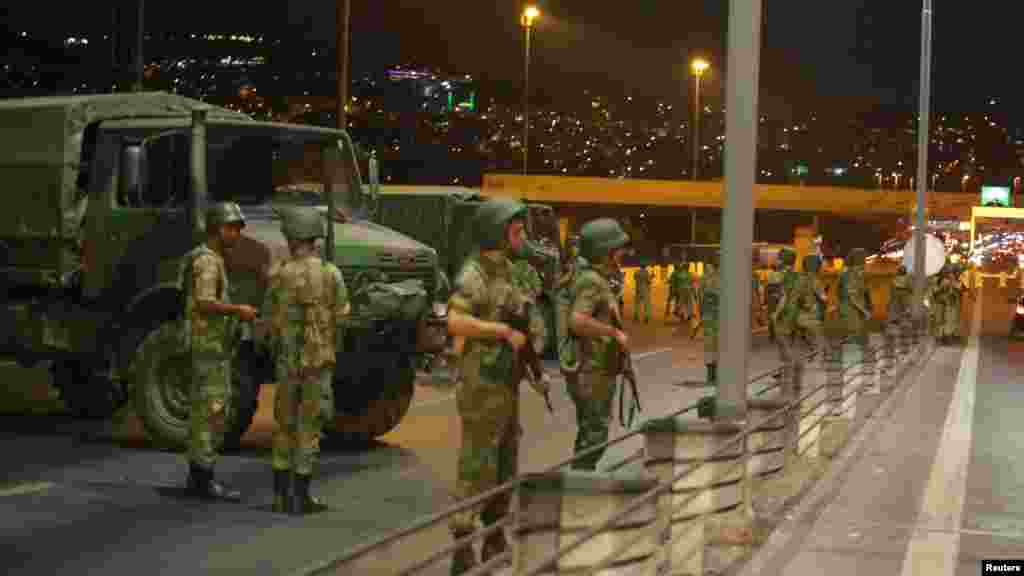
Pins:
x: 162, y: 391
x: 372, y: 402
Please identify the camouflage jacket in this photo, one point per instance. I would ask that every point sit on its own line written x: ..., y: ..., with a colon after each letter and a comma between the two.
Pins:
x: 486, y: 289
x: 203, y: 277
x: 710, y: 297
x: 853, y: 293
x: 594, y: 297
x: 526, y: 278
x: 642, y: 280
x: 306, y: 298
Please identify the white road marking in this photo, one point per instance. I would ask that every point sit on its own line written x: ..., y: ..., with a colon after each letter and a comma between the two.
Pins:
x: 451, y: 395
x: 28, y: 488
x: 942, y: 508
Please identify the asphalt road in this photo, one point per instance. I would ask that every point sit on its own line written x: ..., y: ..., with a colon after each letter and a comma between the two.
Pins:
x: 96, y: 499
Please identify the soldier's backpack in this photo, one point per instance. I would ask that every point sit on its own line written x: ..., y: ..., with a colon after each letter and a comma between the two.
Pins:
x: 407, y: 300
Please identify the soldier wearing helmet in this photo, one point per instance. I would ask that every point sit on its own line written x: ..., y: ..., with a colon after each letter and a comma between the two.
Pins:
x: 799, y: 310
x: 484, y: 294
x: 306, y: 298
x: 854, y: 300
x: 208, y: 328
x: 680, y: 292
x: 710, y: 297
x: 595, y: 321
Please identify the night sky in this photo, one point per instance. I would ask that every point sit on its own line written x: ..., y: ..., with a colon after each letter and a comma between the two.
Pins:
x: 851, y: 53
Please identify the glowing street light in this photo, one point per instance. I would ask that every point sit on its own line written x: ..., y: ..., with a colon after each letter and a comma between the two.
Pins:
x: 699, y: 66
x: 530, y: 13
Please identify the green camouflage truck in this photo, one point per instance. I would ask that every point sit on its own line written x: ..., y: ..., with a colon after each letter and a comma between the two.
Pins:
x: 104, y: 196
x: 442, y: 217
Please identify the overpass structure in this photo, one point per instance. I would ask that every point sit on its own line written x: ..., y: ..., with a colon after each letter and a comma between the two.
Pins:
x: 709, y: 194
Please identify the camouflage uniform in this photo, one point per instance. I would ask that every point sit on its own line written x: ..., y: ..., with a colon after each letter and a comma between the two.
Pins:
x: 642, y: 295
x: 772, y: 296
x: 900, y: 295
x: 949, y: 298
x: 306, y: 298
x: 710, y: 297
x: 592, y: 387
x: 488, y: 396
x: 526, y: 278
x: 854, y: 300
x: 784, y: 311
x: 680, y: 291
x: 799, y: 309
x: 202, y: 277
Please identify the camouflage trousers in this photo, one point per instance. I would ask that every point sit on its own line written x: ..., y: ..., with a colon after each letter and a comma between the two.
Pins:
x: 785, y: 332
x: 683, y: 302
x: 592, y: 394
x: 208, y: 408
x: 489, y: 456
x: 305, y: 438
x: 642, y: 300
x: 711, y: 341
x: 950, y: 325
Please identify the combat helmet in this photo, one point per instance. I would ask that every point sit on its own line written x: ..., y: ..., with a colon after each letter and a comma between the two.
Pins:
x: 492, y: 219
x: 857, y: 257
x: 812, y: 263
x: 224, y: 213
x: 302, y: 224
x: 599, y: 237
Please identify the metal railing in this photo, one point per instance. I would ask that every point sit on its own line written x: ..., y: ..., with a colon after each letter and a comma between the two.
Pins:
x: 910, y: 337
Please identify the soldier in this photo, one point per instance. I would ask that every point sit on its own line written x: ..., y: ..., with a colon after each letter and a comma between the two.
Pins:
x: 208, y: 330
x: 681, y: 290
x: 306, y: 298
x: 642, y: 294
x: 901, y: 294
x: 950, y: 291
x: 799, y: 309
x: 710, y: 289
x: 773, y: 290
x: 593, y: 315
x: 756, y: 292
x: 488, y: 397
x: 854, y: 300
x: 526, y: 278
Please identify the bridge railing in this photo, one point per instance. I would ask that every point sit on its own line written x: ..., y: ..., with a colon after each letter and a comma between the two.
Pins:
x: 689, y: 489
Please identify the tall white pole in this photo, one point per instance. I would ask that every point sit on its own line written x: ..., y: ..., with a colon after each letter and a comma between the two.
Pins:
x: 738, y: 217
x: 924, y: 113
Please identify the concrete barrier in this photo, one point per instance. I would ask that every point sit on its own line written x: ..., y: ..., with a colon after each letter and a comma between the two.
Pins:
x: 556, y: 509
x: 673, y: 445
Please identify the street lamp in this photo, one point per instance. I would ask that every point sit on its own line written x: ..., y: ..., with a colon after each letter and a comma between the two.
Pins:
x: 530, y: 13
x: 699, y: 66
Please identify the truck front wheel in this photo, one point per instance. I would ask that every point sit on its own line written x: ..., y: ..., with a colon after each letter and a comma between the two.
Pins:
x: 372, y: 394
x: 163, y: 390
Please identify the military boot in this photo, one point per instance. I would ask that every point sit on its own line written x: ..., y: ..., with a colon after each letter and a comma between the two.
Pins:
x: 202, y: 485
x: 281, y: 491
x: 302, y: 502
x: 495, y: 544
x: 464, y: 557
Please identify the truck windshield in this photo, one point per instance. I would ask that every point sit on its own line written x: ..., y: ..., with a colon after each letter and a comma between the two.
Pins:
x: 276, y: 167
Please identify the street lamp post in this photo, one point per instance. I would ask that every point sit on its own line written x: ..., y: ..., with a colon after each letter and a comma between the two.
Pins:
x: 922, y: 157
x: 342, y: 10
x: 699, y: 66
x: 530, y: 13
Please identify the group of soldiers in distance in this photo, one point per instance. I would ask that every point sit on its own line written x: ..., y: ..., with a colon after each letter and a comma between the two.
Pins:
x: 794, y: 305
x: 492, y: 314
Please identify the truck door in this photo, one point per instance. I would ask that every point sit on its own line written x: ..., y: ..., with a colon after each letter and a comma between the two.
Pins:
x: 146, y: 229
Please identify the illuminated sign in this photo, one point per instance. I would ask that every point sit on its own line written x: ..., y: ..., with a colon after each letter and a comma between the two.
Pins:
x: 995, y: 196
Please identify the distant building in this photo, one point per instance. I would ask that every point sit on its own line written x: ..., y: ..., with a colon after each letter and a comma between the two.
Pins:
x: 416, y: 90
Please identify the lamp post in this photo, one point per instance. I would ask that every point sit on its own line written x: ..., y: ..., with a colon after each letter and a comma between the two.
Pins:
x: 343, y: 12
x: 530, y: 13
x: 699, y: 66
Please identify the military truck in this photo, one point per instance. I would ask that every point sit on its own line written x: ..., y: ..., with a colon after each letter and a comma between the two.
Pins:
x: 442, y: 217
x: 104, y: 196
